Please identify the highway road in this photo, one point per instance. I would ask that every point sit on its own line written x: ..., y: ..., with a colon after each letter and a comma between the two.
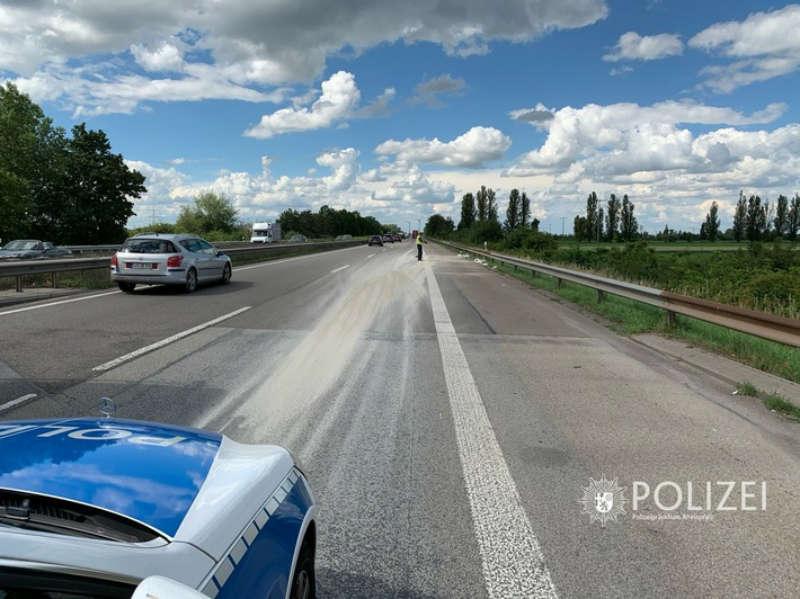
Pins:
x: 449, y: 419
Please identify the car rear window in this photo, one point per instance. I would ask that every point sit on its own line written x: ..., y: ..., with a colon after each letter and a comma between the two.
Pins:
x: 148, y: 246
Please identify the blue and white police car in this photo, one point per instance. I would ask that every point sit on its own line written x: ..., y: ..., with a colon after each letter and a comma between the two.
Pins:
x: 108, y: 508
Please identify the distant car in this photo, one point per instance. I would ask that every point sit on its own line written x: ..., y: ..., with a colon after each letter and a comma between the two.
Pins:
x: 22, y: 249
x: 387, y: 238
x: 344, y: 237
x: 397, y: 237
x: 181, y: 260
x: 298, y: 239
x: 375, y: 240
x: 91, y: 508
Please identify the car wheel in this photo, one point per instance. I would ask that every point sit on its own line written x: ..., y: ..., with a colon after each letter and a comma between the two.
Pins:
x: 126, y: 287
x: 304, y: 584
x: 226, y: 274
x: 191, y: 281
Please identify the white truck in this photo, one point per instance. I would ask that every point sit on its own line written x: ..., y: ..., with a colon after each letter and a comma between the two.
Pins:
x: 265, y: 233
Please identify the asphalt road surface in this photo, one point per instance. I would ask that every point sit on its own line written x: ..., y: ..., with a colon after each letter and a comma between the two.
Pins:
x: 449, y: 419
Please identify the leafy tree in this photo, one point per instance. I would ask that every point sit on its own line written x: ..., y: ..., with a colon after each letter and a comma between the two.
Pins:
x: 483, y: 207
x: 756, y: 219
x: 491, y: 206
x: 710, y: 228
x: 599, y: 225
x: 467, y: 212
x: 579, y: 227
x: 740, y: 218
x: 58, y: 188
x: 781, y: 215
x: 612, y: 218
x: 438, y: 226
x: 629, y: 226
x: 211, y: 212
x: 524, y: 210
x: 535, y: 224
x: 100, y: 187
x: 591, y: 218
x: 513, y: 211
x: 14, y: 204
x: 793, y: 221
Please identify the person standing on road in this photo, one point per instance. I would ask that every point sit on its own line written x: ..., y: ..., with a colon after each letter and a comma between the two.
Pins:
x: 420, y: 241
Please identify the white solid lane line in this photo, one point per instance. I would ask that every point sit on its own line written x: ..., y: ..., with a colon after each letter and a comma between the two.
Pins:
x: 370, y: 256
x: 88, y: 297
x: 513, y: 563
x: 159, y: 344
x: 335, y: 270
x: 15, y: 402
x: 58, y: 303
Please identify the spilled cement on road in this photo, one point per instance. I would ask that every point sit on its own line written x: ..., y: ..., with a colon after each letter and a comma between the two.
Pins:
x: 281, y: 392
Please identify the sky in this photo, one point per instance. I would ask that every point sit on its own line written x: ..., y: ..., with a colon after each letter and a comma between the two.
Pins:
x: 396, y: 109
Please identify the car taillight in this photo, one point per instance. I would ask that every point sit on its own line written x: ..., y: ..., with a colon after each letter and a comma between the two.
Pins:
x: 174, y: 261
x: 114, y: 261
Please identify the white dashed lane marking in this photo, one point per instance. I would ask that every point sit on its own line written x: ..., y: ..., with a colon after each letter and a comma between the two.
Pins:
x: 15, y: 402
x: 159, y: 344
x: 513, y: 563
x: 335, y: 270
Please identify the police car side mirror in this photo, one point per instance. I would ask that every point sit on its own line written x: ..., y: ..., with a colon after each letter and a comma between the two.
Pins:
x: 158, y: 587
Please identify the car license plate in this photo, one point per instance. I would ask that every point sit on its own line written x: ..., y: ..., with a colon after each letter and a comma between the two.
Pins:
x: 141, y: 265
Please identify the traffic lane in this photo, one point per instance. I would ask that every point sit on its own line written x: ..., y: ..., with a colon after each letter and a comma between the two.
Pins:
x: 481, y: 301
x: 379, y: 448
x: 59, y: 345
x: 567, y: 408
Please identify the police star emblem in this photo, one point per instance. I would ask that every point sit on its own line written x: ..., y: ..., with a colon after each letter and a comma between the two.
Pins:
x: 603, y: 500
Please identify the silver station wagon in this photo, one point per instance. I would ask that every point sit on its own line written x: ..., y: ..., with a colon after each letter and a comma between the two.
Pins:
x: 155, y: 259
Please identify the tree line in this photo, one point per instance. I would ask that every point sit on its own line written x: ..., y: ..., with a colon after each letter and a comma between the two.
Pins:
x: 617, y: 222
x: 753, y: 220
x: 65, y: 188
x: 328, y: 222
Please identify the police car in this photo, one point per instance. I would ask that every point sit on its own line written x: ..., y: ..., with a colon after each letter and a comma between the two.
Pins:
x: 109, y: 508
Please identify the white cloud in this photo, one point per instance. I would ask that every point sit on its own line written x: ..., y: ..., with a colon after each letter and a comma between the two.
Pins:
x: 641, y: 137
x: 165, y: 57
x: 671, y: 173
x: 632, y: 46
x: 253, y: 43
x: 391, y: 192
x: 471, y: 149
x: 766, y: 45
x: 338, y: 99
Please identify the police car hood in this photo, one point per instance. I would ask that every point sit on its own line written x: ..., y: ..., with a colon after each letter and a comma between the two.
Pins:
x: 151, y: 473
x: 191, y: 485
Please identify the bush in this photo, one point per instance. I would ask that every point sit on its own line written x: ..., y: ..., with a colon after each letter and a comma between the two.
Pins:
x: 485, y: 231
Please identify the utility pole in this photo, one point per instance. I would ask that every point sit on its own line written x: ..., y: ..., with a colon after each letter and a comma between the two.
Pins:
x: 562, y: 225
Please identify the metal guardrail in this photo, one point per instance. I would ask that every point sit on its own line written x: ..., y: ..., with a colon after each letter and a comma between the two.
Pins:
x: 22, y: 268
x: 760, y: 324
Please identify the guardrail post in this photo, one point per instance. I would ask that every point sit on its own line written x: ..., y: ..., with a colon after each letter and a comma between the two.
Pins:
x: 600, y: 296
x: 53, y: 279
x: 560, y: 282
x: 19, y: 283
x: 670, y: 318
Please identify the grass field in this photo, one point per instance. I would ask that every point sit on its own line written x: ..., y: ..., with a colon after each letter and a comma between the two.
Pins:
x: 676, y: 246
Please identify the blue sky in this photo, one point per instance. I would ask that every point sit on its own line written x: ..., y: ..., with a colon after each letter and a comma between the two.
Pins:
x: 397, y: 110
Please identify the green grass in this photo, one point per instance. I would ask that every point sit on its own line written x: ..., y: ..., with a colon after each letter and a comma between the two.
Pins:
x: 630, y: 317
x: 773, y: 401
x: 683, y: 246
